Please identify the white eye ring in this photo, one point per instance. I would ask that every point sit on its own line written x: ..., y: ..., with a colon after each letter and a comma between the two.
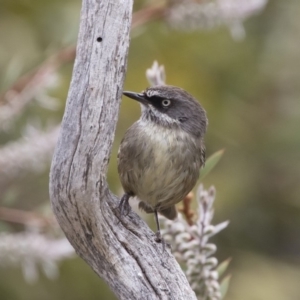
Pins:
x: 166, y: 102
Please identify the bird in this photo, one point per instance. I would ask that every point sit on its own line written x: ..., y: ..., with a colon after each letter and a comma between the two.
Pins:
x: 160, y: 155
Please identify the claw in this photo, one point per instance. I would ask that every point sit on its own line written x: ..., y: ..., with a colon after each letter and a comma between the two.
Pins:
x: 124, y: 206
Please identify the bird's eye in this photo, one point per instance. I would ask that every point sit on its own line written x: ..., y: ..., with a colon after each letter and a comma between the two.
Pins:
x: 166, y: 103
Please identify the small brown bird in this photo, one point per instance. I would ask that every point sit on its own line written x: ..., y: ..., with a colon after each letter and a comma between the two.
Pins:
x: 161, y: 154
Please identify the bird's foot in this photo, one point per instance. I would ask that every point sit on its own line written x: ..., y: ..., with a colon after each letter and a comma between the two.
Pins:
x: 124, y: 206
x: 160, y: 239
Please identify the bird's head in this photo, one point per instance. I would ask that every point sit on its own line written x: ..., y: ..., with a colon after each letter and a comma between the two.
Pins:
x: 172, y: 106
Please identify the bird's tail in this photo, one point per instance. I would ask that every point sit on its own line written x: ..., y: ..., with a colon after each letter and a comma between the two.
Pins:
x: 170, y: 212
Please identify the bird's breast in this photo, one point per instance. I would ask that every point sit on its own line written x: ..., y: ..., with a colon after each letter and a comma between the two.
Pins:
x: 159, y: 164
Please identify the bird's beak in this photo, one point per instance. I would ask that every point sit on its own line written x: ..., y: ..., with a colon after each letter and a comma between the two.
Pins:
x: 140, y: 97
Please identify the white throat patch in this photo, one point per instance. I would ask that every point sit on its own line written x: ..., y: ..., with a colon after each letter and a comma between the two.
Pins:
x: 161, y: 117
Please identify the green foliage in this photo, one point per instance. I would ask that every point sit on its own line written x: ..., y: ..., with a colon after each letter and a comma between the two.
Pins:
x: 224, y: 281
x: 223, y: 267
x: 225, y: 285
x: 211, y: 162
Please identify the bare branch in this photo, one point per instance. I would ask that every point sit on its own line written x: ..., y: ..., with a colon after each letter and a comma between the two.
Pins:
x: 27, y: 218
x: 120, y: 249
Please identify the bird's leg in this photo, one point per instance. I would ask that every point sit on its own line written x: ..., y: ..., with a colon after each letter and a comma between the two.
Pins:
x: 124, y: 206
x: 158, y: 235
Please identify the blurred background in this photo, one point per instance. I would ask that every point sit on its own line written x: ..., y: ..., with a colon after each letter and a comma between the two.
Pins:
x: 241, y: 59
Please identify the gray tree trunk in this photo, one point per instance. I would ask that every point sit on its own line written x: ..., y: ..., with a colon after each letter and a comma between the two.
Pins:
x: 121, y: 250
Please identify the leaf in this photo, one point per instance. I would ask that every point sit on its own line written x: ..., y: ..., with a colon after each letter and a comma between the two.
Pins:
x: 225, y: 285
x: 222, y: 267
x: 211, y: 162
x: 220, y: 227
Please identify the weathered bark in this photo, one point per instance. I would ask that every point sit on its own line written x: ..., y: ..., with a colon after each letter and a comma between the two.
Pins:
x: 121, y: 250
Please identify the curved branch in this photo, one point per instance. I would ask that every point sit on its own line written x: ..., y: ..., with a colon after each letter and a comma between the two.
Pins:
x: 121, y: 250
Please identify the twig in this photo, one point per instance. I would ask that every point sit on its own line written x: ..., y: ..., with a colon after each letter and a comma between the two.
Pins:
x: 26, y: 217
x: 147, y: 14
